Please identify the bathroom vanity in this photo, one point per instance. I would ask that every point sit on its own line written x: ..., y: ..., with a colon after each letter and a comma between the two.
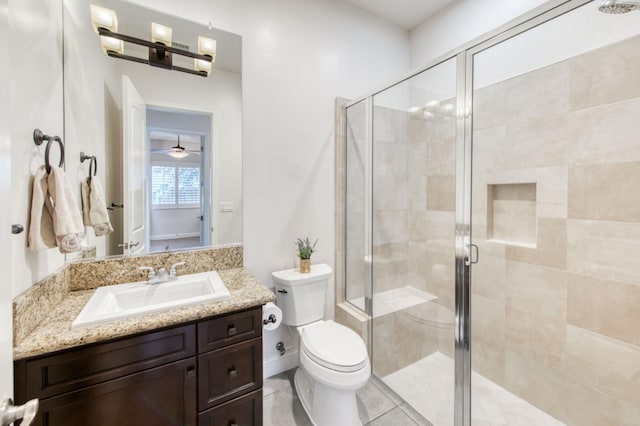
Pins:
x: 194, y: 365
x: 208, y: 373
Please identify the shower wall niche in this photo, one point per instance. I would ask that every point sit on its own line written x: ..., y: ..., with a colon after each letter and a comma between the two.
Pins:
x: 511, y: 214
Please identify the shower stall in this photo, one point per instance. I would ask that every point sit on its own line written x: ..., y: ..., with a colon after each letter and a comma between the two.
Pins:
x: 489, y: 225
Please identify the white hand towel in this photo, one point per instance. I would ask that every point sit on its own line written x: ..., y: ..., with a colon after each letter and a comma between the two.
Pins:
x: 67, y: 221
x: 41, y: 233
x: 85, y: 190
x: 98, y: 214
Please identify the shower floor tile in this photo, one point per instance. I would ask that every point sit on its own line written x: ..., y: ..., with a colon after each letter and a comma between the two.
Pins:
x: 428, y: 386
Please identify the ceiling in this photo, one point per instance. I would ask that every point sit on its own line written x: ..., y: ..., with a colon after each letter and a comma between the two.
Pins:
x: 407, y: 14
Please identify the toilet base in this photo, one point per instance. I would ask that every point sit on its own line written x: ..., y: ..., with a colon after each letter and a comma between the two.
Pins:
x: 326, y: 406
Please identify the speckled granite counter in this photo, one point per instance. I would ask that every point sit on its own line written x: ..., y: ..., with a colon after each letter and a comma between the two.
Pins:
x: 55, y: 334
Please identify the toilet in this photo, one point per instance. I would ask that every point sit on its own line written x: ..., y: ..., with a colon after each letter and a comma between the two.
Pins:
x: 333, y: 359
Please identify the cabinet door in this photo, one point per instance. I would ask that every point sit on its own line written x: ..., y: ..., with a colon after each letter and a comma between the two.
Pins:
x: 229, y: 372
x: 162, y: 396
x: 76, y: 369
x: 243, y: 411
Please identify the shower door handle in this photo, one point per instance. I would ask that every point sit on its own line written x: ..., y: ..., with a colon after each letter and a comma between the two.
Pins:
x: 471, y: 260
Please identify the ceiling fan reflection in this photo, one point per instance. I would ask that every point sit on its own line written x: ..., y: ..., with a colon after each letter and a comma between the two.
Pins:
x: 178, y: 151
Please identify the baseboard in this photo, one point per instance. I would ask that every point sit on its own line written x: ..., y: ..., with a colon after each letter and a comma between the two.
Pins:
x: 174, y: 236
x: 280, y: 364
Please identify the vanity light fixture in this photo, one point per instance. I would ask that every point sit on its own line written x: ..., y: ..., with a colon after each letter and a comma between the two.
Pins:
x: 105, y: 23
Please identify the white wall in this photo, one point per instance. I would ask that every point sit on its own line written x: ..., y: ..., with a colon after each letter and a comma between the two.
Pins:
x: 35, y: 93
x: 298, y: 55
x: 460, y: 23
x: 6, y: 305
x: 92, y: 98
x: 173, y: 223
x: 176, y: 120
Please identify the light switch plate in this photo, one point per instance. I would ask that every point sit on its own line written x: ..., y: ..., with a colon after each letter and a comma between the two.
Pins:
x: 226, y: 207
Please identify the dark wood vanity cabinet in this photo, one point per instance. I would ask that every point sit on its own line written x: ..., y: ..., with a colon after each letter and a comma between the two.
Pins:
x: 204, y: 373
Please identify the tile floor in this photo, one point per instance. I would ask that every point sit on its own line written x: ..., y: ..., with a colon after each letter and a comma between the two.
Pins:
x: 492, y: 405
x: 433, y: 376
x: 281, y: 406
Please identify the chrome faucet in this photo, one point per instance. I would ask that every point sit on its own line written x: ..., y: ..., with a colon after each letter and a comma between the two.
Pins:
x: 151, y: 276
x: 173, y: 274
x: 162, y: 275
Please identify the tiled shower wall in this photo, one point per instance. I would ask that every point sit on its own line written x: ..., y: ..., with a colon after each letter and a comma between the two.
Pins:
x: 555, y: 306
x: 558, y: 323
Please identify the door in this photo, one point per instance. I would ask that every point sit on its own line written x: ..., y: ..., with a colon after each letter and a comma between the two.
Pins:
x: 556, y: 167
x: 164, y: 395
x: 134, y: 171
x: 205, y: 217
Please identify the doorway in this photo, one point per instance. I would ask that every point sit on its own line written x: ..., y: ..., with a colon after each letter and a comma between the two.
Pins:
x: 179, y: 181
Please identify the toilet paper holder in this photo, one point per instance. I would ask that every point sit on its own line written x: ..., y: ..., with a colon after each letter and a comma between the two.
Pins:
x: 271, y: 316
x: 270, y: 319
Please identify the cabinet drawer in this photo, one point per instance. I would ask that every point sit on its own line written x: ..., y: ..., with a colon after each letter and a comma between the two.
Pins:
x: 65, y: 372
x: 243, y: 411
x: 162, y: 396
x: 229, y: 329
x: 226, y: 373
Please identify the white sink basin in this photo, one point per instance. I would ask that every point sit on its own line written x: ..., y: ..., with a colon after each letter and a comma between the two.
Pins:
x: 120, y: 301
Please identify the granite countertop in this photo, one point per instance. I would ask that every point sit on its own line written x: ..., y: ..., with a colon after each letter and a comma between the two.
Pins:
x: 55, y: 334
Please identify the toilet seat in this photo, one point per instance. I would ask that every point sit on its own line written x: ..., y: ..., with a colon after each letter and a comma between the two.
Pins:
x: 334, y: 346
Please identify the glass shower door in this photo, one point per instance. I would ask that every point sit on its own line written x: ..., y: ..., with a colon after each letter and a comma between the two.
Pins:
x: 556, y: 168
x: 412, y: 251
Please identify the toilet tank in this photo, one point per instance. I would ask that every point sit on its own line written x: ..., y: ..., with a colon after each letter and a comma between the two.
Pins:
x: 301, y: 296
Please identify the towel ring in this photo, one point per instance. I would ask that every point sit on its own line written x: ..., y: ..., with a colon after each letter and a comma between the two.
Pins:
x: 39, y: 138
x: 93, y: 163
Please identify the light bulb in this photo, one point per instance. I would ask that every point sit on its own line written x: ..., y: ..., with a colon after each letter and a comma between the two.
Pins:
x: 161, y: 34
x: 103, y: 18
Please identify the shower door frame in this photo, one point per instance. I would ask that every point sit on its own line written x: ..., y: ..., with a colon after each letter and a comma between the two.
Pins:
x: 464, y: 56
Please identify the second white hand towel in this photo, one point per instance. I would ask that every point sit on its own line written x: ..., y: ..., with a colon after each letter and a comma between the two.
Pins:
x: 85, y: 191
x: 98, y: 209
x: 67, y: 221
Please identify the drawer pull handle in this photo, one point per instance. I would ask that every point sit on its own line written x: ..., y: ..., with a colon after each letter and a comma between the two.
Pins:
x: 232, y: 372
x: 191, y: 372
x: 232, y: 331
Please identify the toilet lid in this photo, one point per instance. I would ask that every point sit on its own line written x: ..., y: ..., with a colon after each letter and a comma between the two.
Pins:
x: 334, y: 346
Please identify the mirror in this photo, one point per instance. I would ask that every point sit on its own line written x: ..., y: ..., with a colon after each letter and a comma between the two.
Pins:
x: 157, y: 202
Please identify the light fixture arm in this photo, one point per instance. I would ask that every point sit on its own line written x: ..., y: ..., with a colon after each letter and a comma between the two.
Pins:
x: 159, y: 53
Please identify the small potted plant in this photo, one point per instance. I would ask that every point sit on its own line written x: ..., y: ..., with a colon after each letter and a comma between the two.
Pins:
x: 305, y: 250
